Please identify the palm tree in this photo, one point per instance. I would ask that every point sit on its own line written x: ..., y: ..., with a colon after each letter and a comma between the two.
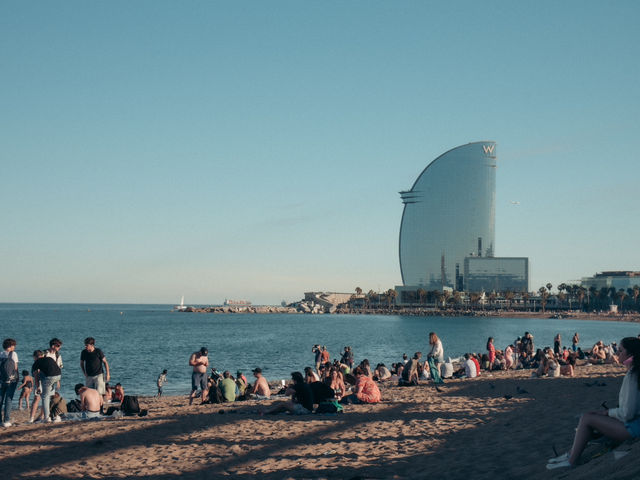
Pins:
x: 358, y: 291
x: 544, y: 294
x: 509, y: 296
x: 475, y: 298
x: 581, y: 291
x: 391, y: 296
x: 621, y: 295
x: 549, y: 287
x: 422, y: 294
x: 525, y: 298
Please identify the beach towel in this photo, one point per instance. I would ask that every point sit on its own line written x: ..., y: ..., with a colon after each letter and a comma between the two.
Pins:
x: 435, y: 374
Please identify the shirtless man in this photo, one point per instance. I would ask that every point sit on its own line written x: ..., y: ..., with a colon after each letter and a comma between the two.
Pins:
x: 200, y: 363
x: 90, y: 401
x: 261, y: 388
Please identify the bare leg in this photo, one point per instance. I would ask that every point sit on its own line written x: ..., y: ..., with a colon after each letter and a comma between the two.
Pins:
x: 609, y: 427
x: 34, y: 407
x: 205, y: 395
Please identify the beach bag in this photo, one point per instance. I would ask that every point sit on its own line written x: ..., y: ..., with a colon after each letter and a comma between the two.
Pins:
x: 130, y: 405
x: 329, y: 407
x: 321, y: 392
x: 8, y: 370
x: 74, y: 406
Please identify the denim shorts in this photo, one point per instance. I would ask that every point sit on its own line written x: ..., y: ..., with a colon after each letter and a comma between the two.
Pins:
x: 633, y: 427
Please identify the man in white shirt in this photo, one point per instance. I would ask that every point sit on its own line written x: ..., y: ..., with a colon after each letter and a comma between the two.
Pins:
x: 9, y: 380
x: 469, y: 367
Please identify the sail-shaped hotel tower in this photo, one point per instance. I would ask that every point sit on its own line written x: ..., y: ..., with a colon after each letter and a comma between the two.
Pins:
x: 449, y: 214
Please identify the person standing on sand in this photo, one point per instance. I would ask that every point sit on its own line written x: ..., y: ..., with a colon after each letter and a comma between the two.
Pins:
x: 436, y: 352
x: 492, y: 352
x: 575, y: 341
x: 557, y: 344
x: 324, y: 356
x: 318, y: 359
x: 9, y: 380
x: 92, y: 361
x: 200, y: 362
x: 162, y: 380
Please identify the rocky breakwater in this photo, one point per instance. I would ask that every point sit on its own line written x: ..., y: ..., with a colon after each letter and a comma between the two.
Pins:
x: 248, y: 309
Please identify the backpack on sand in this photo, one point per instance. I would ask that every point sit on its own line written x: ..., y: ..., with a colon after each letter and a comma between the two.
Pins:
x: 130, y: 405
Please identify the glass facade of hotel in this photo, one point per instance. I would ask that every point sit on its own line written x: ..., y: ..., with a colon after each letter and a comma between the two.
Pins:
x: 449, y: 214
x: 497, y: 274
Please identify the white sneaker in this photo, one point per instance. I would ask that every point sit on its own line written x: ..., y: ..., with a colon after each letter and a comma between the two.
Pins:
x: 31, y: 420
x: 559, y: 458
x: 6, y: 424
x: 57, y: 419
x: 561, y: 464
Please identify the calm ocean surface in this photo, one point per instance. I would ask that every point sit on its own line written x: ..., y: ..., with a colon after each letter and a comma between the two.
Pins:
x: 141, y: 340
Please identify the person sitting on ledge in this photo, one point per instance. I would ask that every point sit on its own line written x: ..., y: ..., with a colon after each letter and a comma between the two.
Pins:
x: 301, y: 402
x: 366, y: 389
x: 619, y: 424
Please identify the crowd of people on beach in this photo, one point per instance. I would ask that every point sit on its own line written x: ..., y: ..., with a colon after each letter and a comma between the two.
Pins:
x: 40, y: 386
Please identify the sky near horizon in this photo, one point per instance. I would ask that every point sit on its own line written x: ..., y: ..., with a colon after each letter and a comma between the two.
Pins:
x: 255, y: 149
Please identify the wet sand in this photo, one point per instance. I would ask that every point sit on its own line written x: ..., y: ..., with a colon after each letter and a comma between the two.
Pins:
x: 468, y: 430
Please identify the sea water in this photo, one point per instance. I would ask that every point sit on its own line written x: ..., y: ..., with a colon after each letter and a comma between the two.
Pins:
x: 139, y: 341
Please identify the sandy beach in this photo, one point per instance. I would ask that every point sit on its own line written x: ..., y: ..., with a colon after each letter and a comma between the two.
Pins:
x: 469, y: 430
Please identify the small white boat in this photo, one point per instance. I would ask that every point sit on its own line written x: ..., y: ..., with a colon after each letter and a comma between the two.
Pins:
x: 182, y: 307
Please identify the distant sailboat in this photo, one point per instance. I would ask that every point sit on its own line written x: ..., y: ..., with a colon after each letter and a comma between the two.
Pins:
x: 181, y: 307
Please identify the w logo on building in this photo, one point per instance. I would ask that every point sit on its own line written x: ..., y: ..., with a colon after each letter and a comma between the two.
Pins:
x: 488, y: 149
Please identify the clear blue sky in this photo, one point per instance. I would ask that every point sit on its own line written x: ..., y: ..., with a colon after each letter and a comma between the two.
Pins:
x: 255, y: 149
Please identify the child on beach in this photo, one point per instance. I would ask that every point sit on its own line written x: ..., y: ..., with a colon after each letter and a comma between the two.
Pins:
x: 162, y: 380
x: 26, y: 387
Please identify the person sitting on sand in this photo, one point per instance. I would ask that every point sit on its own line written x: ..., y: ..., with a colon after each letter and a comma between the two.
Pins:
x: 470, y: 369
x: 118, y: 393
x: 91, y: 401
x: 598, y: 354
x: 108, y: 393
x: 260, y: 389
x: 227, y: 387
x: 381, y: 373
x: 336, y: 383
x: 410, y: 371
x: 241, y: 383
x: 618, y: 424
x: 366, y: 367
x: 568, y: 368
x: 25, y: 387
x: 310, y: 376
x: 367, y: 390
x: 302, y: 400
x: 474, y: 359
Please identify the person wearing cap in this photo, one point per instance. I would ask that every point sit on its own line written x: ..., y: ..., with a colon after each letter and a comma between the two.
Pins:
x: 199, y: 361
x: 260, y: 390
